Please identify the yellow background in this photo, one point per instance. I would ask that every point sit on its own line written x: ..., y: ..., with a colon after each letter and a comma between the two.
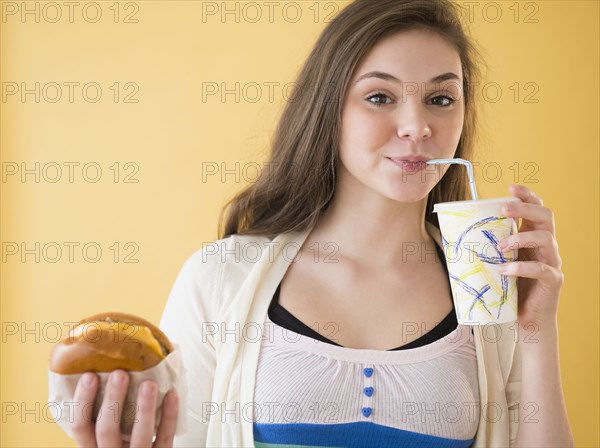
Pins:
x: 171, y: 54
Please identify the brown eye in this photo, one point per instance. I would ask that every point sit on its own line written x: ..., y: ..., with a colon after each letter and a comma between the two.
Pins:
x: 446, y: 101
x: 379, y: 99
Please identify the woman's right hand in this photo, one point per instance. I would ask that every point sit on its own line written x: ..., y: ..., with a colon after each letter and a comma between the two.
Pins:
x: 105, y: 432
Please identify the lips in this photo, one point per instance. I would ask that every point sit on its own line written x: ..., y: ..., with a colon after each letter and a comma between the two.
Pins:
x: 409, y: 164
x: 409, y: 159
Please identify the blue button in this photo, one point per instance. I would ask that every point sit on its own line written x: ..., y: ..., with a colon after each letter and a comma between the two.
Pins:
x: 368, y: 371
x: 368, y: 391
x: 366, y: 412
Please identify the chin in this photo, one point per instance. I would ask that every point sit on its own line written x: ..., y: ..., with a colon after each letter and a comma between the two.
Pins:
x: 409, y: 193
x: 407, y: 197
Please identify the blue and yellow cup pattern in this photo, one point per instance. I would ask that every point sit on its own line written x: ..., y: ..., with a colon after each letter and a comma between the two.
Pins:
x: 470, y: 232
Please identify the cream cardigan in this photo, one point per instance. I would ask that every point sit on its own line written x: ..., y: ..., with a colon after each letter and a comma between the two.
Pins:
x: 215, y: 314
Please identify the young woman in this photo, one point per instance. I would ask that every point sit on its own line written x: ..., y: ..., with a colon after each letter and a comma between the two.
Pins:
x: 313, y: 321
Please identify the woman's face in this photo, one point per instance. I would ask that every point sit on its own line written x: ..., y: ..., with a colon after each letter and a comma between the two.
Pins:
x: 397, y: 111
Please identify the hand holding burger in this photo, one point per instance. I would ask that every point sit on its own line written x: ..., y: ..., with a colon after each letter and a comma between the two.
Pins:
x: 117, y: 343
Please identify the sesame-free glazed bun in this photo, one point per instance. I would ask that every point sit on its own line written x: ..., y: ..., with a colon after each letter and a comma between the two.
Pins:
x: 109, y: 341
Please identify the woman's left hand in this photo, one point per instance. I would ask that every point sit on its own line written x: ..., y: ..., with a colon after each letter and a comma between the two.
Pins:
x: 539, y: 265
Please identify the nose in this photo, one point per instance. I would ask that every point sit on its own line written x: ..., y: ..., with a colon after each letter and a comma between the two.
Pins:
x: 412, y: 123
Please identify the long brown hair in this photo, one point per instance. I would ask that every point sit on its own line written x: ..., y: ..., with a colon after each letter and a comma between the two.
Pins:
x: 298, y: 186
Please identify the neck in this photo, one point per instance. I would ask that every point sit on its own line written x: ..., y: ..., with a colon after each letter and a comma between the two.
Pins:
x: 376, y: 231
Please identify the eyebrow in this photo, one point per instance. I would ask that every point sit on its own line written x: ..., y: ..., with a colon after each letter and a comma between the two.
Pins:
x: 387, y: 77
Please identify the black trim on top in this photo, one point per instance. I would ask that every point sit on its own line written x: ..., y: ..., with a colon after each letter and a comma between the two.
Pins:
x: 282, y: 317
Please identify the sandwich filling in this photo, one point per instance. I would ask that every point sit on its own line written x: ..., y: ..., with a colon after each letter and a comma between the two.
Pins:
x: 122, y: 331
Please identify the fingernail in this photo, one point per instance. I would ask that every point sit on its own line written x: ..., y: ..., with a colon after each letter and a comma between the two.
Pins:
x: 148, y: 389
x: 118, y: 378
x: 88, y: 380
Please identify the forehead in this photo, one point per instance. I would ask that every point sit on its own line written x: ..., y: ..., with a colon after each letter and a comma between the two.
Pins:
x: 416, y: 55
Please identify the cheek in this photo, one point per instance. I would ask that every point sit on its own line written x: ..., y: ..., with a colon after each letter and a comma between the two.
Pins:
x: 458, y: 121
x: 448, y: 132
x: 363, y: 131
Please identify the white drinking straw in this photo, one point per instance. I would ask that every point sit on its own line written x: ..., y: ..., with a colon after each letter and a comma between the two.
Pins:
x: 459, y: 162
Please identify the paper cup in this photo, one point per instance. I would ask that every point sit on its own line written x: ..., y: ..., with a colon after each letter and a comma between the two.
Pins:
x: 169, y: 374
x: 470, y: 231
